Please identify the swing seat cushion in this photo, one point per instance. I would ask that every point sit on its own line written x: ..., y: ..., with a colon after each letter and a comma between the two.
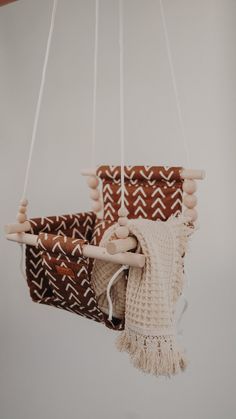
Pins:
x: 57, y: 272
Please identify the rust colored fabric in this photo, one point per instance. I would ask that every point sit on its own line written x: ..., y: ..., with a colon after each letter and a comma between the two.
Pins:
x: 4, y: 2
x: 100, y: 226
x: 57, y: 272
x: 150, y: 192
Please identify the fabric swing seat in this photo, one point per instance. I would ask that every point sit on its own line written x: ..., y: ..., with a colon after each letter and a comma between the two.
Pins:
x: 57, y: 272
x: 65, y: 267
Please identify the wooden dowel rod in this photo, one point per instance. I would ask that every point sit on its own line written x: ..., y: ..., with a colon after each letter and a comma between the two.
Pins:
x: 25, y: 238
x: 96, y: 252
x: 17, y: 227
x: 88, y: 172
x: 121, y: 245
x: 193, y: 174
x: 185, y: 174
x: 126, y: 258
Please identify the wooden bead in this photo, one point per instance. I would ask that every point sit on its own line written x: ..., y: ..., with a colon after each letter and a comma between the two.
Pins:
x: 21, y: 218
x: 94, y: 194
x: 190, y: 201
x: 189, y: 186
x: 123, y: 212
x: 22, y: 210
x: 191, y: 213
x: 123, y: 221
x: 122, y: 232
x: 92, y: 182
x: 96, y: 206
x: 24, y: 202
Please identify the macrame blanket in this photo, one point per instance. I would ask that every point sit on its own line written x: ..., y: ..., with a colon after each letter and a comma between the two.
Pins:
x: 148, y: 298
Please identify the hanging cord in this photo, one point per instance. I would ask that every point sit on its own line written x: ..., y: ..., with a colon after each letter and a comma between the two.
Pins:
x: 22, y: 261
x: 180, y: 317
x: 94, y: 116
x: 181, y: 123
x: 39, y: 101
x: 36, y: 118
x: 173, y: 78
x: 112, y: 281
x: 122, y: 141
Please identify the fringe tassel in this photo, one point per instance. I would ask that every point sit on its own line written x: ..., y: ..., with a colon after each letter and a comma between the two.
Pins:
x: 157, y: 355
x: 123, y: 342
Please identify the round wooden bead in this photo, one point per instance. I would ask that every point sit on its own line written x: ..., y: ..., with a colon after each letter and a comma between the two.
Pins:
x: 123, y: 212
x: 191, y: 213
x: 24, y: 202
x: 123, y: 221
x: 122, y: 232
x: 190, y: 201
x: 189, y: 186
x: 96, y: 206
x: 94, y: 194
x: 21, y: 218
x: 22, y: 209
x: 92, y: 182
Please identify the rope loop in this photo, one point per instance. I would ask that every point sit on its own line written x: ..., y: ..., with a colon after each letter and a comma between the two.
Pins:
x: 40, y: 96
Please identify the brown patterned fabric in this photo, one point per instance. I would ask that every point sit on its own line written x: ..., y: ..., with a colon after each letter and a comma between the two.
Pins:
x: 150, y: 192
x: 100, y: 226
x: 57, y: 272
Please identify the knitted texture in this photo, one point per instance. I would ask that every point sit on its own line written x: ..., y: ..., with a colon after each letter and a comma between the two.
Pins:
x: 151, y: 295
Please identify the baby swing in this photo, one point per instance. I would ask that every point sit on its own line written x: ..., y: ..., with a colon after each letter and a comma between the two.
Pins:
x: 61, y: 251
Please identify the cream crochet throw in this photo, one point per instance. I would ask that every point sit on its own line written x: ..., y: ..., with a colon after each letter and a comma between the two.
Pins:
x: 147, y: 299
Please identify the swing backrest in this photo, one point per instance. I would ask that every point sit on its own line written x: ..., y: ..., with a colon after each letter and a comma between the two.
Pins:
x: 150, y: 192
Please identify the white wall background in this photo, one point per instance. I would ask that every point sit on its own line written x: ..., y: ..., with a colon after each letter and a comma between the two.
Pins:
x: 55, y: 364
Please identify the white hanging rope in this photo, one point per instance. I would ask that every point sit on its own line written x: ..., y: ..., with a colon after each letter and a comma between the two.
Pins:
x: 112, y: 281
x: 94, y: 116
x: 181, y: 314
x: 22, y: 261
x: 36, y: 119
x: 39, y: 101
x: 122, y: 144
x: 173, y: 78
x: 181, y: 122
